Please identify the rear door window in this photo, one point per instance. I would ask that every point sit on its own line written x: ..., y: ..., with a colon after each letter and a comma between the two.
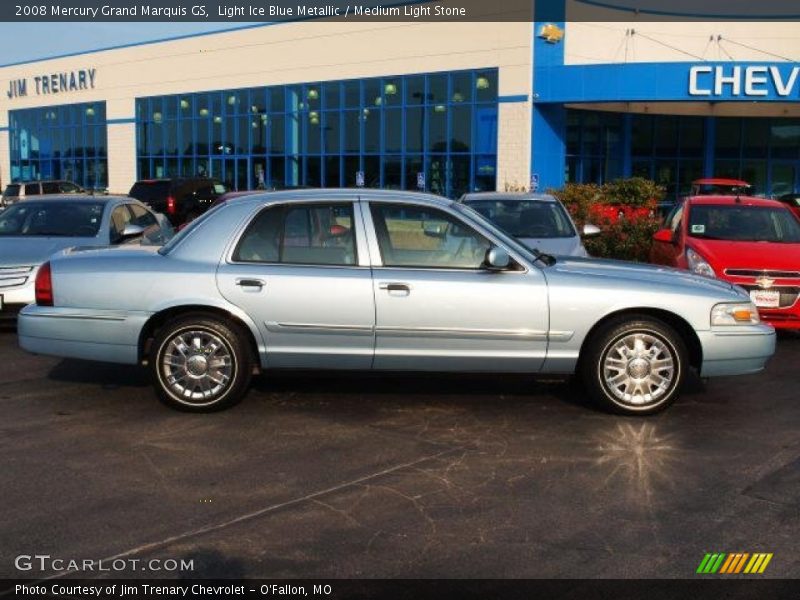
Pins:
x: 309, y: 234
x: 12, y: 191
x: 32, y: 189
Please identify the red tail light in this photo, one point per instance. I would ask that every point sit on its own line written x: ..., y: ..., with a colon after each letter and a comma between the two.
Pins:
x: 44, y: 286
x: 170, y: 205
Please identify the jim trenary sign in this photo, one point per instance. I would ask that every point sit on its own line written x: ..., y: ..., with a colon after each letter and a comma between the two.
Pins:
x: 52, y: 83
x: 751, y: 81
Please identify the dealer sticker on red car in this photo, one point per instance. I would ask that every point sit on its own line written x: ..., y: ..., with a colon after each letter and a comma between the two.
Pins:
x: 766, y: 298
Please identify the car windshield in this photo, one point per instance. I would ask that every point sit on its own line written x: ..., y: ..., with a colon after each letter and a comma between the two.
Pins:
x: 475, y: 217
x: 744, y: 224
x: 527, y: 218
x: 52, y: 218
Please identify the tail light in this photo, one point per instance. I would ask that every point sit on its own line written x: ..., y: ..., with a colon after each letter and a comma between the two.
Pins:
x: 44, y: 286
x: 171, y: 205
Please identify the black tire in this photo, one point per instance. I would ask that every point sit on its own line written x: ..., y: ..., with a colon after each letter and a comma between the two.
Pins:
x: 648, y: 373
x: 211, y: 375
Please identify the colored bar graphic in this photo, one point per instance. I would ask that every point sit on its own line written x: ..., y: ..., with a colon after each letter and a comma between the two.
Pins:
x: 734, y: 563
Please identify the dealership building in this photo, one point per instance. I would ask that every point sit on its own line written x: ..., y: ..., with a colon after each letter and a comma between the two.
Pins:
x: 448, y: 107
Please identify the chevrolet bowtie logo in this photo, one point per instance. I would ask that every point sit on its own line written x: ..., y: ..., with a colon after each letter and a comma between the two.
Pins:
x: 552, y: 34
x: 765, y: 282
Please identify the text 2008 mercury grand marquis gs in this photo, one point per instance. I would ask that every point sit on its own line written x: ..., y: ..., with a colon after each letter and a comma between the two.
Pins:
x: 380, y: 280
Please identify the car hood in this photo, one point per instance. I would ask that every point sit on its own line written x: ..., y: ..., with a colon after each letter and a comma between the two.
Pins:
x: 637, y: 273
x: 25, y: 250
x: 556, y: 246
x: 723, y: 255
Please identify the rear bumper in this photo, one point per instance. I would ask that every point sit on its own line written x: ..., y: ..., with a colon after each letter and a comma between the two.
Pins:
x: 99, y: 335
x: 741, y: 351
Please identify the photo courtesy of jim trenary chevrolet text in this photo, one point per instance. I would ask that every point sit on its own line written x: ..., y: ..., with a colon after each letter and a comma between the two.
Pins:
x: 356, y: 300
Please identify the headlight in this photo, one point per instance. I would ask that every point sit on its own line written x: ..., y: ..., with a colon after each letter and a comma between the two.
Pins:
x: 735, y: 314
x: 698, y: 264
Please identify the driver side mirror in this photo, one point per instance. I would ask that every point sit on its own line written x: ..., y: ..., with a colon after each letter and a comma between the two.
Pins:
x: 664, y: 235
x: 590, y: 230
x: 497, y: 259
x: 131, y: 231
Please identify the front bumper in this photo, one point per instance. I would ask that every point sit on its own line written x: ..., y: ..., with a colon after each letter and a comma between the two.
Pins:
x: 736, y: 350
x: 99, y: 335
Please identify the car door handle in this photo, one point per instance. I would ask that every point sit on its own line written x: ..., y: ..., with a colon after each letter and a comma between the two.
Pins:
x: 395, y: 287
x: 259, y: 283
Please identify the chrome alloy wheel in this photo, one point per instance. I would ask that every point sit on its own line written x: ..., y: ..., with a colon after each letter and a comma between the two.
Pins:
x: 197, y: 366
x: 639, y: 369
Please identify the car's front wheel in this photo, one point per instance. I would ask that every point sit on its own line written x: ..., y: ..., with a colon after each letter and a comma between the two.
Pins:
x: 634, y: 365
x: 200, y: 364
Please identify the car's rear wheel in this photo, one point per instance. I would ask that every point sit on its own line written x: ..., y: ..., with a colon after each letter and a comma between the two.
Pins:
x: 634, y: 365
x: 200, y: 364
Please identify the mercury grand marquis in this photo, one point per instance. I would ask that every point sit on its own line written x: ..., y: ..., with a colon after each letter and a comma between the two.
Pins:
x: 384, y: 280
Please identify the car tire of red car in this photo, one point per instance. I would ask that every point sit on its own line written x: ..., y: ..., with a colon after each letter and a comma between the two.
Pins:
x: 200, y: 363
x: 634, y: 365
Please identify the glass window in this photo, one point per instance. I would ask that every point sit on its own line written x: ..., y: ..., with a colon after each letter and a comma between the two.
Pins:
x: 426, y: 238
x: 743, y: 224
x: 728, y: 138
x: 32, y: 189
x: 527, y: 218
x: 119, y: 219
x: 440, y: 129
x: 69, y: 218
x: 315, y: 234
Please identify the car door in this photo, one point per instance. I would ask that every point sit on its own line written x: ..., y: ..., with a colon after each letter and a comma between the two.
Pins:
x: 438, y: 308
x: 301, y: 271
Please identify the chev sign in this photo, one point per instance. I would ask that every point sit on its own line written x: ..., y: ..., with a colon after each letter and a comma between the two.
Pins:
x: 53, y: 83
x: 751, y: 81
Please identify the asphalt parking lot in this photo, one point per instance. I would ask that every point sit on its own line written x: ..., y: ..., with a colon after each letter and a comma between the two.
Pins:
x: 397, y: 476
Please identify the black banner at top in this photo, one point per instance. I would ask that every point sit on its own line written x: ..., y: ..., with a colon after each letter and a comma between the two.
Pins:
x: 393, y: 10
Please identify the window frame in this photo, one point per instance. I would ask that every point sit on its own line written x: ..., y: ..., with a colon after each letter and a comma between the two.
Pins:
x: 285, y: 207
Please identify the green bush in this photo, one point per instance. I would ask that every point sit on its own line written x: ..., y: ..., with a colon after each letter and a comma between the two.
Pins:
x: 626, y: 238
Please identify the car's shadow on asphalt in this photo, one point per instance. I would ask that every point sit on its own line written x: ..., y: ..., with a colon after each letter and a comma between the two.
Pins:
x: 299, y: 388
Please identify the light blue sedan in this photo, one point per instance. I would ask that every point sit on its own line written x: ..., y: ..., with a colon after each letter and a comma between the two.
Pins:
x: 383, y: 280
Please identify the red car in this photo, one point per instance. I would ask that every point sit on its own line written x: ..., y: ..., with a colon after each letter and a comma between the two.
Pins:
x: 752, y: 242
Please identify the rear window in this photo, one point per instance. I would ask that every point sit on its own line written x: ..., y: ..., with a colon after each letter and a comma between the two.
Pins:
x: 11, y: 190
x: 52, y: 218
x: 146, y: 191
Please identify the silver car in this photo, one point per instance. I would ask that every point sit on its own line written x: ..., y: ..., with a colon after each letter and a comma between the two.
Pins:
x: 382, y: 280
x: 539, y: 221
x: 33, y: 230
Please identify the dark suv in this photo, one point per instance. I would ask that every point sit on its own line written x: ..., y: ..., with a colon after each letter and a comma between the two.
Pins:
x: 25, y: 189
x: 180, y: 199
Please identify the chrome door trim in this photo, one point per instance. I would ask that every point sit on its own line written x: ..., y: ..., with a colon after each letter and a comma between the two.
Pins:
x: 276, y: 327
x: 560, y: 336
x: 451, y: 332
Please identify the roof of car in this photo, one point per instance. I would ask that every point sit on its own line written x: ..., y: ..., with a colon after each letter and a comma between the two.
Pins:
x: 734, y: 200
x: 102, y: 199
x: 309, y: 195
x: 43, y: 181
x: 720, y: 181
x: 478, y: 196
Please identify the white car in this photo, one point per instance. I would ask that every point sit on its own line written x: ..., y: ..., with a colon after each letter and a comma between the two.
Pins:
x: 539, y: 221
